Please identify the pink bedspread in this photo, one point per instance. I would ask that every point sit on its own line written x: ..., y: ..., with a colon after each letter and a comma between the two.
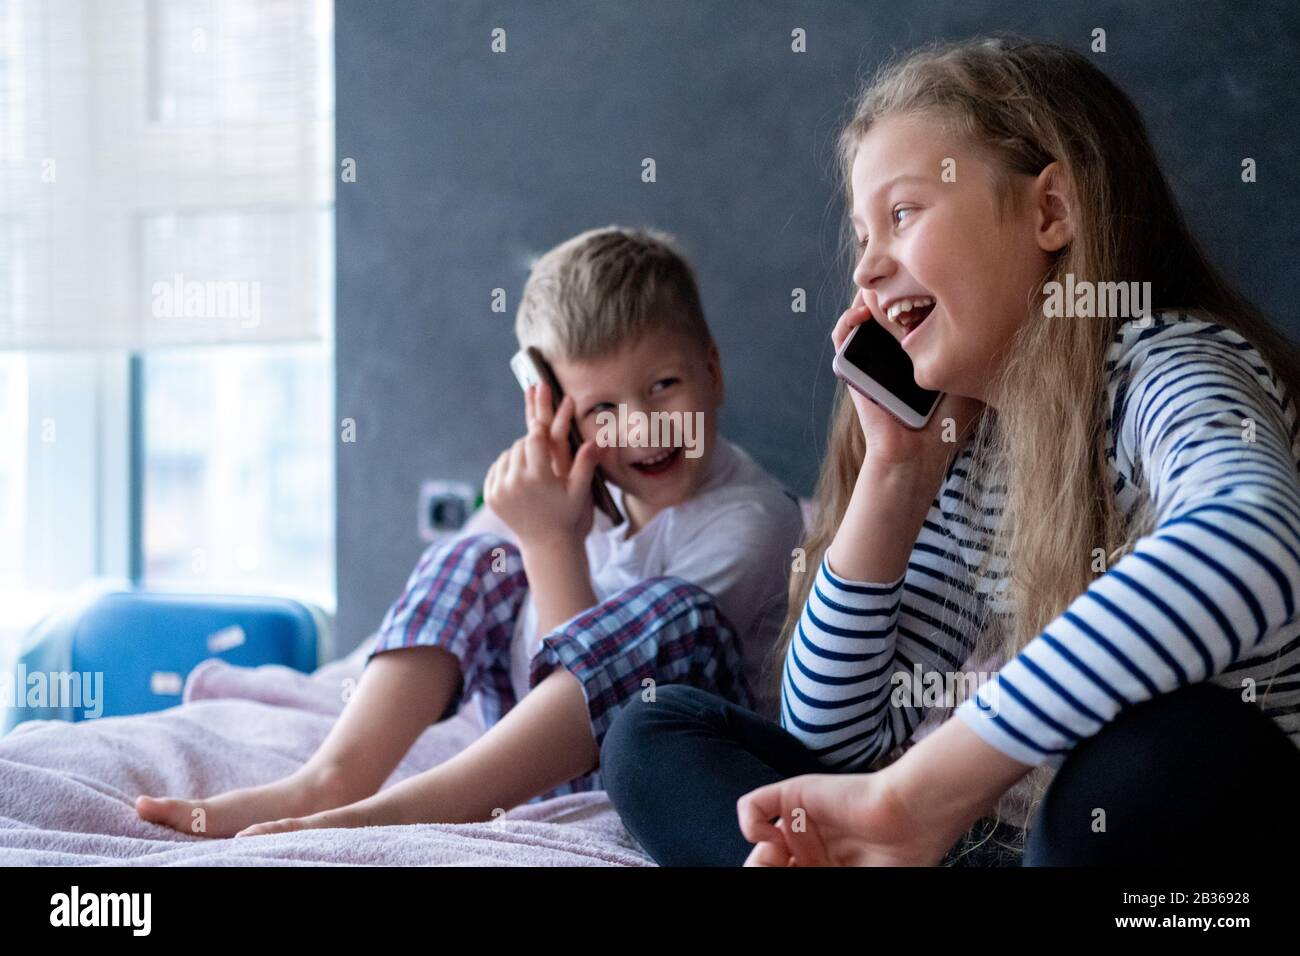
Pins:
x: 67, y: 790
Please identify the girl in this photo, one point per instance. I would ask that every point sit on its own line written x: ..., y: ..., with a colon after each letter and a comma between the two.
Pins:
x: 1104, y: 511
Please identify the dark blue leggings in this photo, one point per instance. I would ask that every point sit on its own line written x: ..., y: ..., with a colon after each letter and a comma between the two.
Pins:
x: 1192, y: 776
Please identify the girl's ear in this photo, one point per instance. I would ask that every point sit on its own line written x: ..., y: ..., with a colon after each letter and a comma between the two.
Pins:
x: 1053, y: 207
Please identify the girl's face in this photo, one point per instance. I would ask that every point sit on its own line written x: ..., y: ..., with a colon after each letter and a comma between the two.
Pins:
x: 926, y: 208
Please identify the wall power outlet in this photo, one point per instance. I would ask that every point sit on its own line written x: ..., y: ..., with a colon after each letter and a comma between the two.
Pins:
x: 445, y: 506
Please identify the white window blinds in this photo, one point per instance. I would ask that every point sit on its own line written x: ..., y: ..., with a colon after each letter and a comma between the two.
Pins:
x: 166, y: 172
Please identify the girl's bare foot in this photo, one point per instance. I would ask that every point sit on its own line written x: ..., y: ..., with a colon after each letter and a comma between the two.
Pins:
x: 224, y: 815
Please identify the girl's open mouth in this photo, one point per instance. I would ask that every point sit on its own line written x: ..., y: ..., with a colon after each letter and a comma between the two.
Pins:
x: 910, y: 320
x: 660, y: 463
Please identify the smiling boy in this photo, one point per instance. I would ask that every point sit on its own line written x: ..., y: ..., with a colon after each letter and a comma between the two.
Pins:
x: 562, y: 617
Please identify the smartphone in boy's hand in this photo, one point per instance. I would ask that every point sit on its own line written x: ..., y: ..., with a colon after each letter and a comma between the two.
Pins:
x: 531, y: 368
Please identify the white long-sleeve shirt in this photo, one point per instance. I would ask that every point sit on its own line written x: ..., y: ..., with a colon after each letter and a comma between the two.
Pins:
x: 1200, y: 426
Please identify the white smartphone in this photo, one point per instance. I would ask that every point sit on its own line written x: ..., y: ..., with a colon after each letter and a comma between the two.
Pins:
x: 872, y: 362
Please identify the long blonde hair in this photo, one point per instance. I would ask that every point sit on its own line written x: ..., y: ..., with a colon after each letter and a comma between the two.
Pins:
x: 1022, y: 104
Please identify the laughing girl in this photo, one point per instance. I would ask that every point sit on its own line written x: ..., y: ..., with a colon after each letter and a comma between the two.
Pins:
x: 1103, y: 514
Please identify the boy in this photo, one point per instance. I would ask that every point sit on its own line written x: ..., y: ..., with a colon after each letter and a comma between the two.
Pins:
x: 561, y: 618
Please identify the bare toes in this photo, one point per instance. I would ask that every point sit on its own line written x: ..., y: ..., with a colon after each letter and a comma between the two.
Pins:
x: 185, y: 816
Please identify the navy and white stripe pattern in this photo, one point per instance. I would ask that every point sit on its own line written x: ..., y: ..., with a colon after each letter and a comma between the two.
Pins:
x: 1201, y: 427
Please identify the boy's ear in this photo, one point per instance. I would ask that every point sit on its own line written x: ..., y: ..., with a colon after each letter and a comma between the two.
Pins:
x: 715, y: 372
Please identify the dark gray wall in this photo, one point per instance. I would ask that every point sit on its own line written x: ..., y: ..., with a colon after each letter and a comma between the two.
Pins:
x: 469, y: 162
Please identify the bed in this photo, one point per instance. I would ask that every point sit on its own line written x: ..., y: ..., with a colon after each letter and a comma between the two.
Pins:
x: 67, y: 790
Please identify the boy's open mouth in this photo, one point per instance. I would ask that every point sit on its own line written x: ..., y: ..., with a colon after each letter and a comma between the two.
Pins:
x: 660, y: 462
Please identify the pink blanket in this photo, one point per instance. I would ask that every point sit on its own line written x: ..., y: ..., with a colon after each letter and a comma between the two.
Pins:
x: 67, y: 790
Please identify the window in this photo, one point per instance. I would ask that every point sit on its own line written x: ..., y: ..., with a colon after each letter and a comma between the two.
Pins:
x: 64, y: 490
x: 144, y: 146
x: 238, y: 473
x: 13, y: 465
x: 238, y: 470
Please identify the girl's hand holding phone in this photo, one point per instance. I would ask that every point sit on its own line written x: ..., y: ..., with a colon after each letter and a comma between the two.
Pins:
x: 891, y: 444
x: 536, y: 486
x: 901, y: 472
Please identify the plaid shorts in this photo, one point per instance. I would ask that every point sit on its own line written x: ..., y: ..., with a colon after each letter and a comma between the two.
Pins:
x: 465, y: 595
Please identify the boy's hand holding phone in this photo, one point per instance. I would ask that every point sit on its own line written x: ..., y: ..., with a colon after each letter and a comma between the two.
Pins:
x: 536, y: 486
x: 530, y: 368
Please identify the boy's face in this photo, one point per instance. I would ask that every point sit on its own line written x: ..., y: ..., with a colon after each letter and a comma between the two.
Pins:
x: 936, y: 236
x: 660, y: 372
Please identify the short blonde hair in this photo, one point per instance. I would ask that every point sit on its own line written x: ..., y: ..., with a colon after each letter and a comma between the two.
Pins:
x: 601, y: 290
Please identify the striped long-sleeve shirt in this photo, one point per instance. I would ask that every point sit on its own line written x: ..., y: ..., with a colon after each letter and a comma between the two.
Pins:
x: 1201, y: 427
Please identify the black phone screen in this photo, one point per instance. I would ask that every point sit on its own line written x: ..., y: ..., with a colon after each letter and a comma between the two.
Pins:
x: 880, y: 356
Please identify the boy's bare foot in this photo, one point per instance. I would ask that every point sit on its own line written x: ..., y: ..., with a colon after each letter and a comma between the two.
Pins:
x: 357, y: 814
x: 414, y: 800
x: 227, y: 813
